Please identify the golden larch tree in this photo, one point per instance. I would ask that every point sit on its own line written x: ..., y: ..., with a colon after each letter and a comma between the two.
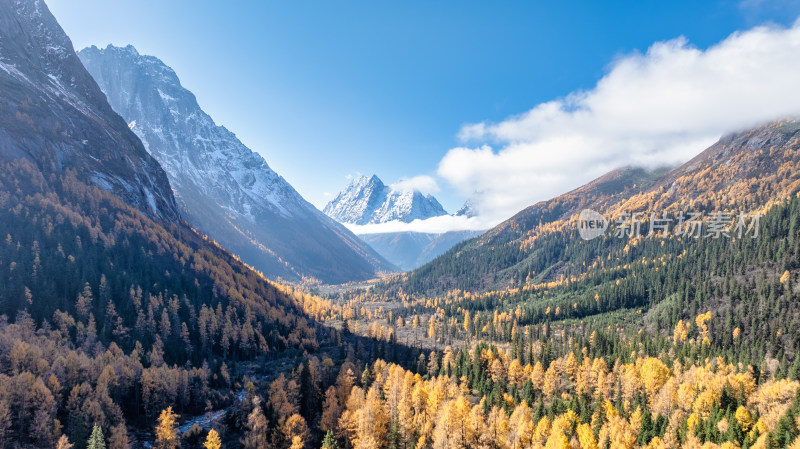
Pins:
x: 331, y: 411
x: 167, y: 430
x: 212, y: 440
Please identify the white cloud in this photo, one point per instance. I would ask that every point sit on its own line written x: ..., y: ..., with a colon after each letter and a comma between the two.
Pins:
x: 661, y: 107
x: 421, y: 183
x: 435, y: 225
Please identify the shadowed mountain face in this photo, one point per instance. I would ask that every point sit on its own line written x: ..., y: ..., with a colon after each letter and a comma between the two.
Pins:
x: 53, y: 114
x: 746, y: 171
x: 226, y: 190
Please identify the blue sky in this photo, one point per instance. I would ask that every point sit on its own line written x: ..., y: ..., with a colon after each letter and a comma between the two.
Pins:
x: 326, y: 90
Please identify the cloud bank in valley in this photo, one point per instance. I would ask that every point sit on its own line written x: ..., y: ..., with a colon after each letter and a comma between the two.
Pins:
x: 657, y: 108
x: 435, y: 225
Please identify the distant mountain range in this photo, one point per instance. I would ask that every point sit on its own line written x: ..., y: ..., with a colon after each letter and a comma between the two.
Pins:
x: 370, y: 201
x: 225, y: 189
x: 409, y: 250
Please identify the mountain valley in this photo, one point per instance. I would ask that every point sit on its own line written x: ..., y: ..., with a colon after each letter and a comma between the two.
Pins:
x: 161, y: 286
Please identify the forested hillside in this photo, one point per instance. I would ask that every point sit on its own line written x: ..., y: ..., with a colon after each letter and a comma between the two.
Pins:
x: 113, y: 316
x: 632, y: 339
x: 657, y: 342
x: 745, y: 172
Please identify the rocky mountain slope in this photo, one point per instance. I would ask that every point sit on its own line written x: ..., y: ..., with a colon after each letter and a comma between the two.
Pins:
x: 225, y: 189
x: 53, y: 113
x: 467, y: 210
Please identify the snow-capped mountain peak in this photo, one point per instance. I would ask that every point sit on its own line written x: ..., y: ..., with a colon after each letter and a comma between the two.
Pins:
x: 191, y: 147
x: 367, y: 200
x: 226, y: 190
x: 467, y: 210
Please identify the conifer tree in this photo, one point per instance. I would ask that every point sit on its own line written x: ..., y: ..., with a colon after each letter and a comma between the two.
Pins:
x: 166, y: 430
x: 96, y: 440
x: 212, y: 440
x: 329, y: 442
x: 255, y: 436
x: 63, y: 443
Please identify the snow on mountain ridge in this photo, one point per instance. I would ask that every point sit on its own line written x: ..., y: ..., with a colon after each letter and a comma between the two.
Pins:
x: 226, y: 190
x: 467, y: 210
x: 370, y: 201
x: 209, y: 155
x: 44, y: 79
